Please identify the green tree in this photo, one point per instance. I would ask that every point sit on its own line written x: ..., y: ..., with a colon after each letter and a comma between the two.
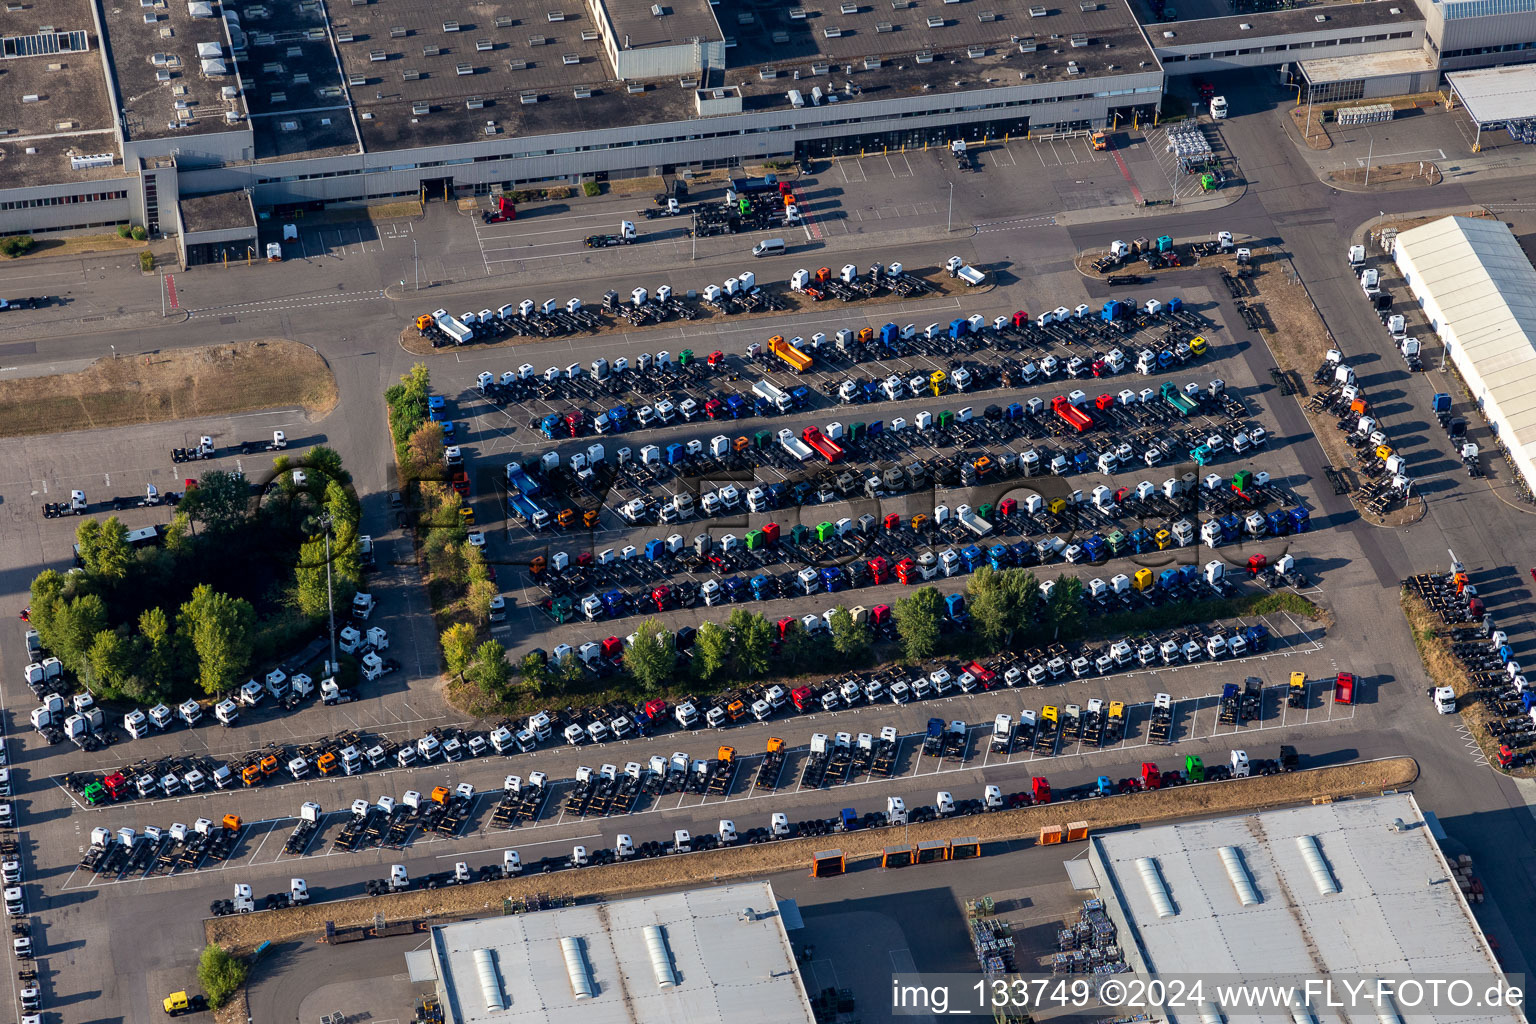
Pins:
x: 47, y: 589
x: 571, y: 674
x: 221, y: 501
x: 309, y: 577
x: 650, y: 658
x: 104, y: 550
x: 157, y: 648
x: 753, y: 637
x: 407, y: 403
x: 1002, y: 604
x: 711, y: 650
x: 917, y: 623
x: 458, y: 642
x: 220, y: 974
x: 849, y: 638
x: 478, y: 597
x: 221, y: 629
x: 326, y: 462
x: 802, y: 649
x: 76, y: 622
x: 490, y: 670
x: 475, y: 569
x: 535, y: 673
x: 178, y: 535
x: 1064, y: 613
x: 111, y: 661
x: 424, y: 450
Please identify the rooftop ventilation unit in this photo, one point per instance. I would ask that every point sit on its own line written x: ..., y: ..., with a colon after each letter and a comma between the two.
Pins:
x: 464, y: 69
x: 474, y: 102
x: 767, y: 74
x: 528, y: 98
x: 483, y: 45
x: 661, y: 962
x: 1320, y: 17
x: 1232, y: 860
x: 590, y: 35
x: 635, y: 88
x: 576, y: 968
x: 503, y: 21
x: 431, y: 51
x: 490, y: 981
x: 1210, y: 1013
x: 537, y: 40
x: 986, y: 17
x: 935, y: 21
x: 582, y: 92
x: 1301, y: 1013
x: 556, y: 15
x: 344, y: 36
x: 398, y: 32
x: 410, y: 75
x: 797, y: 14
x: 357, y: 79
x: 849, y: 8
x: 884, y: 26
x: 81, y: 163
x: 1157, y: 892
x: 570, y: 58
x: 821, y: 69
x: 1038, y: 12
x: 1079, y: 40
x: 450, y: 26
x: 925, y: 57
x: 832, y: 33
x: 377, y: 55
x: 780, y: 37
x: 517, y: 65
x: 1312, y: 856
x: 656, y: 11
x: 872, y: 63
x: 421, y: 108
x: 976, y: 52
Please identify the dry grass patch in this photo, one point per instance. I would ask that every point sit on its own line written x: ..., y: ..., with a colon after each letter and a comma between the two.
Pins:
x: 1300, y: 342
x: 1411, y: 174
x: 1445, y: 670
x: 1314, y: 135
x: 79, y: 245
x: 242, y: 933
x: 171, y: 385
x: 647, y: 186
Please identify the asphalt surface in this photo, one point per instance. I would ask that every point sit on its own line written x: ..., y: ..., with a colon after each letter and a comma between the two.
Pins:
x: 346, y: 299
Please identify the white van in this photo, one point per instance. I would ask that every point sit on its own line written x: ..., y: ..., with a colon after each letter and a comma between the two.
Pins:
x: 768, y: 247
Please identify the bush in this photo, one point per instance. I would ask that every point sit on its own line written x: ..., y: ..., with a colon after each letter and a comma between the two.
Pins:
x: 146, y: 261
x: 558, y: 192
x: 139, y: 234
x: 16, y: 245
x: 124, y: 231
x: 591, y: 188
x: 220, y: 974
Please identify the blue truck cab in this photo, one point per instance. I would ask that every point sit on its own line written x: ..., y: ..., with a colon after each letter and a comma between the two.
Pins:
x: 997, y: 557
x: 762, y: 588
x: 437, y: 408
x: 654, y: 549
x: 1094, y: 548
x: 1301, y: 520
x: 971, y: 556
x: 1231, y: 527
x: 674, y: 453
x: 736, y: 405
x: 799, y: 396
x: 1141, y: 539
x: 1279, y: 523
x: 1257, y: 636
x: 959, y: 328
x: 831, y: 579
x: 549, y: 426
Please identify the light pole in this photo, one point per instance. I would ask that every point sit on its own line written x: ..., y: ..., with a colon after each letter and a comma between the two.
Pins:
x: 951, y: 225
x: 1370, y: 149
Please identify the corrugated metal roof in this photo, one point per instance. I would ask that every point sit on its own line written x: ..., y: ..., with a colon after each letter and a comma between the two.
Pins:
x: 731, y: 966
x: 1497, y: 94
x: 1484, y: 287
x: 1396, y: 910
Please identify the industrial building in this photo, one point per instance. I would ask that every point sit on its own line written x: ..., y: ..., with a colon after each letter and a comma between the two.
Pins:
x: 1351, y: 888
x: 1477, y: 288
x: 706, y: 955
x: 118, y: 112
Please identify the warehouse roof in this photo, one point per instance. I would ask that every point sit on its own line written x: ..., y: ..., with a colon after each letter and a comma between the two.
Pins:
x: 53, y: 82
x: 1297, y: 21
x: 723, y: 950
x: 1394, y: 908
x: 172, y: 62
x: 1483, y: 288
x: 1497, y: 94
x: 680, y: 21
x: 1366, y: 65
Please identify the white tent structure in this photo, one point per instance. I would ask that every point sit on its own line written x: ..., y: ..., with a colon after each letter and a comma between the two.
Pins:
x: 1478, y: 291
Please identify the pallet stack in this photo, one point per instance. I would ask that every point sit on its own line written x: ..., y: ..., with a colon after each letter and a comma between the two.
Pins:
x: 1088, y: 946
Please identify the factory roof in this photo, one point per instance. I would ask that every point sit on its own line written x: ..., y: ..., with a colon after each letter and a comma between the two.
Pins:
x: 62, y: 159
x: 172, y: 61
x: 217, y: 211
x: 680, y: 21
x: 293, y: 81
x: 1497, y: 94
x: 1294, y: 22
x: 1011, y: 38
x: 716, y: 961
x: 1381, y: 902
x: 52, y: 82
x: 1366, y: 65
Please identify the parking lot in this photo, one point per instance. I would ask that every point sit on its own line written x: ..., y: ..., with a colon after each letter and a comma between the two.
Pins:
x: 885, y: 207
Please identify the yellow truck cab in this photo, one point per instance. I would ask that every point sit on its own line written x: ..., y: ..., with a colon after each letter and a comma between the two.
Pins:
x: 179, y: 1002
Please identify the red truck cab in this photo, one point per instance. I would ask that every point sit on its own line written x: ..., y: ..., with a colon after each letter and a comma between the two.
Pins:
x: 1040, y: 790
x: 1344, y: 688
x: 803, y: 698
x: 662, y: 596
x: 1151, y: 778
x: 878, y: 569
x: 906, y: 571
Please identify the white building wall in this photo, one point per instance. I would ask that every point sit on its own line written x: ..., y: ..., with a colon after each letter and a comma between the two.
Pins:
x: 1272, y: 51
